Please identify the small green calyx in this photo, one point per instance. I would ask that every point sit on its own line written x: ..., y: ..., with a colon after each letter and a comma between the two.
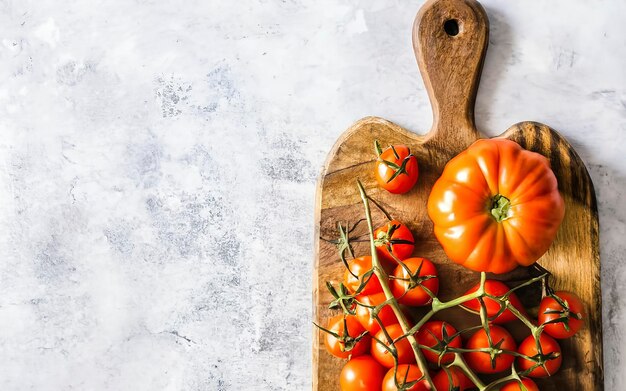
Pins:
x: 500, y: 206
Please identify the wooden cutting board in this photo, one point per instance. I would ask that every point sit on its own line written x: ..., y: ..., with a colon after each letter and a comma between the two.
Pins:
x: 450, y: 40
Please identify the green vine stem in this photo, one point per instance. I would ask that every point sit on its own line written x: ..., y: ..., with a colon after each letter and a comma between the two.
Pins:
x: 393, y: 303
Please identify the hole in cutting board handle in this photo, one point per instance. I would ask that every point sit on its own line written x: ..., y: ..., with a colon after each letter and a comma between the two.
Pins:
x: 451, y: 27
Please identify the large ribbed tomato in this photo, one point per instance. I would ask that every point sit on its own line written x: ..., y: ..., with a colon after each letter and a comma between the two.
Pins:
x: 496, y: 206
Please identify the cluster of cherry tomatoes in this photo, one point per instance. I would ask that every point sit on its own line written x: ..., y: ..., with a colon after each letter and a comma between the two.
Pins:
x: 359, y: 336
x: 366, y: 333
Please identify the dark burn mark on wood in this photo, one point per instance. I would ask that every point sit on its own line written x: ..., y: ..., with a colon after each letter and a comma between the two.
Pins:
x: 555, y: 159
x: 520, y: 138
x: 329, y: 173
x: 537, y: 145
x: 576, y: 180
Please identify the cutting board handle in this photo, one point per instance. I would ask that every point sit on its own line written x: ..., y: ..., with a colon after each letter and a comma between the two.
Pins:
x: 450, y: 40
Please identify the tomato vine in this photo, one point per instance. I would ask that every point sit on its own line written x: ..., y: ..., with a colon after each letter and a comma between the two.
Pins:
x: 348, y: 301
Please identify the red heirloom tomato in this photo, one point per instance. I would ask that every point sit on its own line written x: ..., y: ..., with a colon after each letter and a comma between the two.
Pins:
x: 415, y: 295
x: 395, y: 236
x: 337, y: 347
x: 481, y: 361
x: 529, y: 348
x: 406, y: 373
x: 359, y: 266
x: 460, y: 382
x: 404, y: 349
x: 431, y: 334
x: 496, y: 206
x: 563, y: 305
x: 364, y: 314
x: 495, y: 288
x: 396, y: 168
x: 361, y: 373
x: 515, y: 385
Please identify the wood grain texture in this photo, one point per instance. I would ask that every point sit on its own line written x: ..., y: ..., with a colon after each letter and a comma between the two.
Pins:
x: 450, y: 67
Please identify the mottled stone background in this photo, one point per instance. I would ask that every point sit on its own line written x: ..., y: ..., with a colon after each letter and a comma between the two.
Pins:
x: 158, y: 166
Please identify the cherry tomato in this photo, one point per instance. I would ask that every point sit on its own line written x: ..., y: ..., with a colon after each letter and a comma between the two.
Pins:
x: 396, y: 169
x: 337, y: 347
x: 364, y: 314
x: 415, y: 295
x: 361, y: 373
x: 395, y: 236
x: 403, y: 347
x: 406, y: 373
x: 460, y: 382
x: 495, y: 288
x: 515, y: 385
x: 573, y: 313
x: 529, y: 348
x: 359, y: 266
x: 481, y: 361
x: 431, y: 334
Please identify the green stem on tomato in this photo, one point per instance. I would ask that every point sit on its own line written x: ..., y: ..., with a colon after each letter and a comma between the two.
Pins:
x: 438, y: 305
x: 498, y: 382
x: 484, y: 350
x: 460, y: 363
x: 524, y: 319
x: 535, y: 331
x: 500, y: 206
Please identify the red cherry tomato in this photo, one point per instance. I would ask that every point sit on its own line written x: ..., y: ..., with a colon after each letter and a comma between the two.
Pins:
x: 432, y: 334
x: 515, y: 385
x: 549, y: 345
x: 572, y: 312
x: 337, y: 347
x: 403, y: 347
x: 495, y: 288
x: 415, y: 296
x: 361, y: 373
x: 460, y: 382
x: 405, y: 374
x: 481, y: 361
x: 359, y: 266
x: 396, y: 169
x: 395, y: 236
x: 364, y: 314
